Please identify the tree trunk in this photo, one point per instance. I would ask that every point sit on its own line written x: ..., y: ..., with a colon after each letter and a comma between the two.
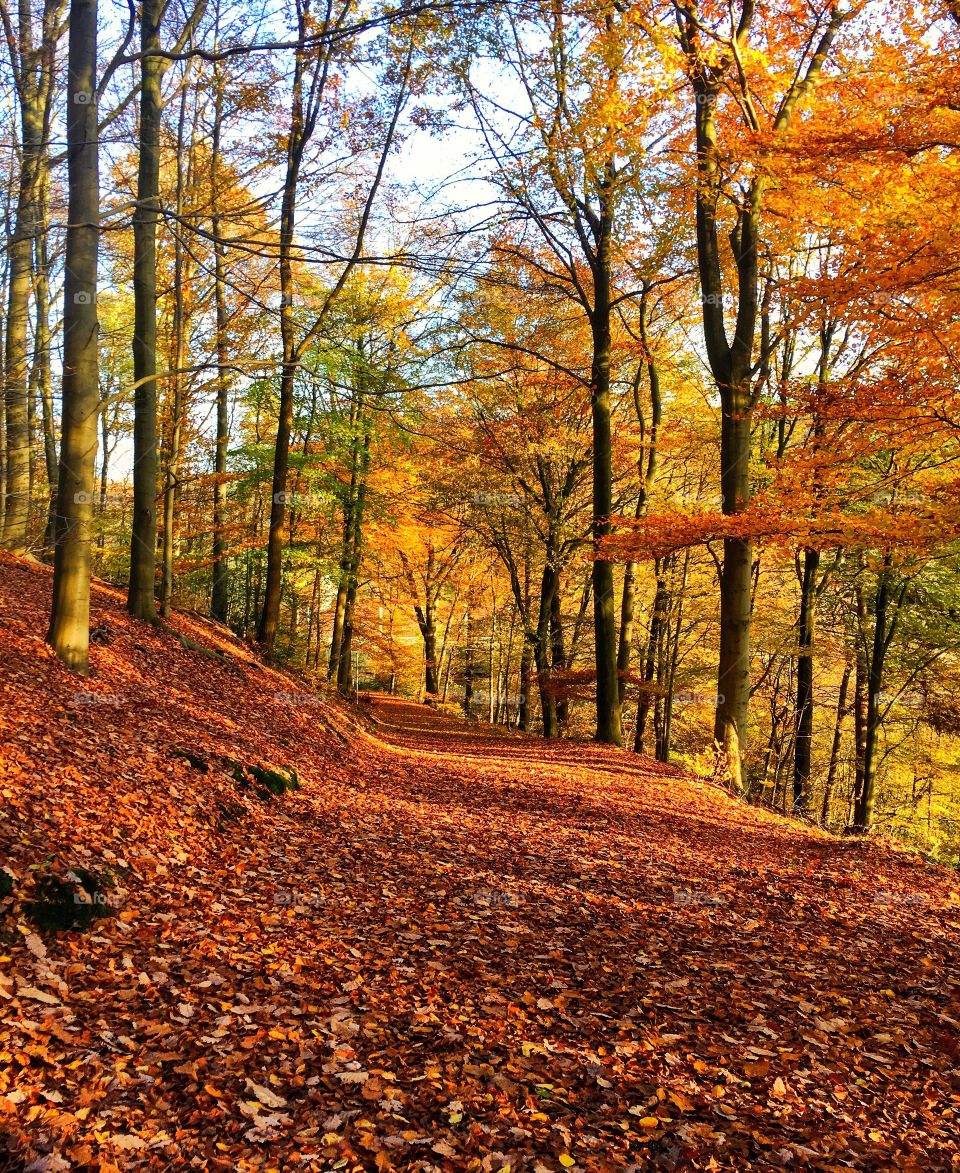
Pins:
x: 860, y: 687
x: 181, y: 278
x: 865, y: 797
x: 558, y: 656
x: 41, y: 351
x: 658, y: 618
x: 69, y: 631
x: 141, y: 600
x: 837, y: 741
x: 219, y: 597
x: 804, y: 717
x: 32, y: 95
x: 523, y: 701
x: 604, y: 609
x: 733, y: 674
x: 662, y: 747
x: 628, y: 603
x: 542, y: 652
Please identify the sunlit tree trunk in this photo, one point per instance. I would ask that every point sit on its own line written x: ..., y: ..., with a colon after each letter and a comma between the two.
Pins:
x: 886, y: 612
x: 731, y: 360
x: 44, y: 381
x: 33, y: 70
x: 647, y: 467
x: 837, y: 742
x: 69, y: 631
x: 604, y: 606
x: 804, y: 717
x: 181, y: 283
x: 219, y: 597
x: 141, y: 600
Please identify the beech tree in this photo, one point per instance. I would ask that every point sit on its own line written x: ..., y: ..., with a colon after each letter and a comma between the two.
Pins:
x: 713, y: 48
x: 69, y: 632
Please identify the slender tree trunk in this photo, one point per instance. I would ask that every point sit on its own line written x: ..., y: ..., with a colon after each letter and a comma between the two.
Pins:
x: 658, y: 618
x: 558, y: 656
x: 628, y: 604
x: 181, y: 277
x: 804, y: 717
x: 219, y: 598
x: 866, y: 795
x: 526, y: 670
x: 20, y: 285
x: 42, y: 347
x: 302, y: 121
x: 429, y: 632
x: 69, y: 631
x: 604, y: 607
x: 541, y: 650
x: 837, y: 742
x: 662, y: 748
x: 141, y: 600
x: 733, y: 674
x: 860, y: 688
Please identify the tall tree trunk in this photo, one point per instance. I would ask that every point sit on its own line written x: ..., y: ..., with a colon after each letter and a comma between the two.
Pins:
x: 628, y: 600
x: 181, y: 278
x: 860, y: 687
x: 41, y: 352
x: 865, y: 797
x: 658, y: 618
x: 604, y: 608
x: 662, y: 747
x: 541, y: 650
x: 141, y: 600
x: 804, y: 715
x: 354, y: 557
x: 523, y: 701
x: 558, y: 656
x: 837, y: 742
x: 733, y: 673
x: 219, y: 597
x: 428, y: 630
x: 628, y: 605
x: 33, y: 83
x: 69, y: 631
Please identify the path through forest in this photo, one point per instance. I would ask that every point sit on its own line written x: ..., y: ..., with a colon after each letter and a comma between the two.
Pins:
x: 451, y: 949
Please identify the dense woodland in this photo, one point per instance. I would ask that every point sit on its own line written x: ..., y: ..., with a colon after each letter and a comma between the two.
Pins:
x: 583, y: 366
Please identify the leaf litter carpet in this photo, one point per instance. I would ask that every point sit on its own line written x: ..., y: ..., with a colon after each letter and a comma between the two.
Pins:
x: 451, y: 949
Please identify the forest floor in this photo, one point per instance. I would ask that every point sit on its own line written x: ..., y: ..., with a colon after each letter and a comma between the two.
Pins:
x: 450, y: 949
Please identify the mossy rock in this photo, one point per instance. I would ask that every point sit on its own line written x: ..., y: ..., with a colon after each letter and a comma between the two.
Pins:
x: 274, y: 781
x: 269, y: 783
x: 66, y: 903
